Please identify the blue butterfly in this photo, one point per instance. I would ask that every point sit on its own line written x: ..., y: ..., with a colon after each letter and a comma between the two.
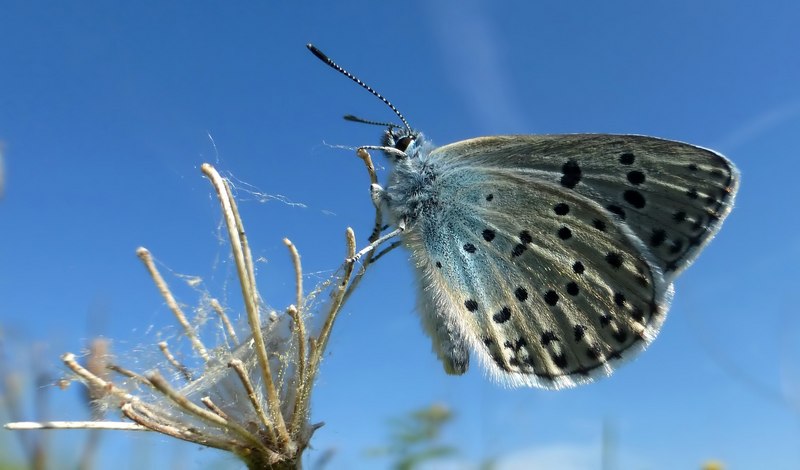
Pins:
x: 549, y: 258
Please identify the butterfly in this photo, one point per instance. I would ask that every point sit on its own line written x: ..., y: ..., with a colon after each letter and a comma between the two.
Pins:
x: 548, y: 258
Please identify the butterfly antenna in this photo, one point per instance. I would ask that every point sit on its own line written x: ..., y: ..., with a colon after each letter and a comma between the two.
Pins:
x: 350, y: 117
x: 321, y: 56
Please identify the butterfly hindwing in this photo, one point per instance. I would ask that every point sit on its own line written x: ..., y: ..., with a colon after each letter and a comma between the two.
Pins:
x: 531, y: 282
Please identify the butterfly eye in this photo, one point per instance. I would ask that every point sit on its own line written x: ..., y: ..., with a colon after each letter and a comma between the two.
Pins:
x: 403, y: 143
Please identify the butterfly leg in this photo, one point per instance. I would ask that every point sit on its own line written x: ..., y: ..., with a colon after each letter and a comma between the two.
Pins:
x: 386, y: 250
x: 400, y: 229
x: 379, y: 200
x: 377, y: 193
x: 390, y: 151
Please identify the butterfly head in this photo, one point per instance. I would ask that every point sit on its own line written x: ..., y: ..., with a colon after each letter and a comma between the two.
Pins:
x: 403, y: 139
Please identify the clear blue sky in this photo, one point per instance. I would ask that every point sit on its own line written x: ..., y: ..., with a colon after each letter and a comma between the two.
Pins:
x: 105, y: 113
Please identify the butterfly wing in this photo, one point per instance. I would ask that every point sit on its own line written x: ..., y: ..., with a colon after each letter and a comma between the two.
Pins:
x: 673, y: 196
x: 522, y: 259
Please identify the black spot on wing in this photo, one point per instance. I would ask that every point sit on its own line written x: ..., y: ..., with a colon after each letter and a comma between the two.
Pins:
x: 571, y: 174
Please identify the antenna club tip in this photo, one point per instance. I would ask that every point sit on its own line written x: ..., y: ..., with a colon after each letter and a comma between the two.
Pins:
x: 317, y: 52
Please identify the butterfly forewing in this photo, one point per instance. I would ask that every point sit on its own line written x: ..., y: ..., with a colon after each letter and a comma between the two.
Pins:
x: 544, y: 284
x: 672, y: 195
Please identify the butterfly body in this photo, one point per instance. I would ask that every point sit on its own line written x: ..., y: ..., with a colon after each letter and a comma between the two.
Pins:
x: 551, y: 258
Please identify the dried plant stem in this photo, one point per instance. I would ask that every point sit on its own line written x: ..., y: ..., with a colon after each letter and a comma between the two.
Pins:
x: 299, y: 329
x: 130, y: 374
x: 101, y: 384
x: 341, y: 295
x: 239, y: 367
x: 182, y: 369
x: 115, y: 426
x: 298, y: 274
x: 162, y: 286
x: 95, y: 381
x: 215, y: 305
x: 184, y: 433
x: 317, y: 345
x: 90, y: 448
x: 365, y: 156
x: 298, y: 418
x: 211, y: 406
x: 246, y: 256
x: 265, y: 441
x: 245, y: 271
x: 162, y: 386
x: 373, y: 179
x: 338, y: 298
x: 150, y: 416
x: 10, y: 390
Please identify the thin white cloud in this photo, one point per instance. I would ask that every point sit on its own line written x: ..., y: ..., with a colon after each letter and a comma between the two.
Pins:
x: 560, y: 456
x: 474, y: 61
x: 759, y: 125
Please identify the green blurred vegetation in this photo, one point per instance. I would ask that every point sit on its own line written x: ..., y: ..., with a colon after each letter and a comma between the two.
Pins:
x: 416, y: 438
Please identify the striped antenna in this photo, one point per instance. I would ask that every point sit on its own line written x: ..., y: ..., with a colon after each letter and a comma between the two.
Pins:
x: 351, y: 118
x: 321, y: 56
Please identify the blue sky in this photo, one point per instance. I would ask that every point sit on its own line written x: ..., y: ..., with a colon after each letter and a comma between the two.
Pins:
x: 106, y: 113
